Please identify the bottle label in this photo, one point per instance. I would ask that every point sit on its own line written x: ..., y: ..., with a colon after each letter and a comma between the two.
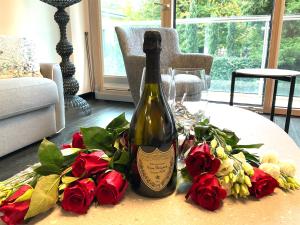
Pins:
x: 156, y: 168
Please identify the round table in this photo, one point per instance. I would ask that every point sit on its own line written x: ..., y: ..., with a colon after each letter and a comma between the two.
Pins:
x: 280, y: 208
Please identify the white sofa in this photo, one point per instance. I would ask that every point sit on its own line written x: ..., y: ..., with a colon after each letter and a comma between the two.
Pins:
x: 31, y: 108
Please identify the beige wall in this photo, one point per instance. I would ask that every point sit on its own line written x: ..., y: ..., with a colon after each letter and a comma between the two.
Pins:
x: 79, y: 24
x: 34, y: 19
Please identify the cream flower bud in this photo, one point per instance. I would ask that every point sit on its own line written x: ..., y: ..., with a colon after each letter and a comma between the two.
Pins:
x: 247, y: 181
x: 225, y: 168
x: 248, y: 168
x: 287, y: 168
x: 213, y: 143
x: 228, y: 148
x: 281, y: 183
x: 241, y: 176
x: 244, y: 190
x: 272, y: 169
x: 226, y: 179
x: 220, y: 152
x: 237, y: 188
x: 269, y: 158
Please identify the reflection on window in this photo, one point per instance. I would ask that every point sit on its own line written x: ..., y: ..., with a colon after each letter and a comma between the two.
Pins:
x: 289, y: 55
x: 123, y: 13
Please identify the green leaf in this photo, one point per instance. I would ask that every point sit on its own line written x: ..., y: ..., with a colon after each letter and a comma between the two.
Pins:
x: 26, y: 196
x: 68, y: 179
x: 202, y: 132
x: 50, y: 157
x: 120, y: 161
x: 230, y: 137
x: 44, y: 196
x: 98, y: 138
x: 47, y: 170
x: 185, y: 175
x: 249, y: 146
x: 118, y: 122
x: 69, y: 155
x: 70, y: 151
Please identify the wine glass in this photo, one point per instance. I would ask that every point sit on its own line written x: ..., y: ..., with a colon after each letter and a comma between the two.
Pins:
x: 191, y: 94
x: 168, y: 85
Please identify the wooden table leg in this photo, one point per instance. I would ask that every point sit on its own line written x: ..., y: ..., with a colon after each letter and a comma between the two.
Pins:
x: 274, y: 100
x: 232, y: 88
x: 290, y: 103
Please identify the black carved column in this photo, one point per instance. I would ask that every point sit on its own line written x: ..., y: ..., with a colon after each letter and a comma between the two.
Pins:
x: 64, y: 49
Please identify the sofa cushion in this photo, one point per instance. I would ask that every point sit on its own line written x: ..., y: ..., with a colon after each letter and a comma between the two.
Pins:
x: 20, y: 95
x: 18, y: 58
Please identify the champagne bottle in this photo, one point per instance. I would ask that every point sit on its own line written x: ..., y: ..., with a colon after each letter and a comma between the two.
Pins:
x: 153, y: 135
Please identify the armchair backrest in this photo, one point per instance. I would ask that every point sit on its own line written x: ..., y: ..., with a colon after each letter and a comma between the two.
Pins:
x: 131, y: 42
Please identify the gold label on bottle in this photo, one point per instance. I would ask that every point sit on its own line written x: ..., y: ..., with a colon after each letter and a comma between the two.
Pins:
x: 156, y: 168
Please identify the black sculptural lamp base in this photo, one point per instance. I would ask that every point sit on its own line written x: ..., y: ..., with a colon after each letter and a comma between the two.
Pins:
x: 64, y: 48
x: 74, y: 101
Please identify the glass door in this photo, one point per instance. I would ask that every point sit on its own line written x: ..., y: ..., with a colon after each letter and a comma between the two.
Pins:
x: 289, y: 54
x: 144, y: 13
x: 236, y: 33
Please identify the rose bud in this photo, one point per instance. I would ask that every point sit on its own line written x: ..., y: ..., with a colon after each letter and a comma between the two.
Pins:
x: 90, y: 164
x: 78, y: 197
x: 77, y: 141
x: 200, y: 160
x: 207, y: 192
x: 64, y: 146
x: 111, y: 188
x: 15, y: 211
x: 262, y: 184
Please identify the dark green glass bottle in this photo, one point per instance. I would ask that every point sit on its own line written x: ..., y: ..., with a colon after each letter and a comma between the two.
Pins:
x: 153, y: 135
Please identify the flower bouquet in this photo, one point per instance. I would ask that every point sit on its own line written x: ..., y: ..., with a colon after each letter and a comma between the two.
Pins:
x: 94, y: 168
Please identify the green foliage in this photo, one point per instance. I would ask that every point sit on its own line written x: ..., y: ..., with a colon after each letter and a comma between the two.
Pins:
x: 44, y: 196
x: 238, y: 40
x: 104, y: 138
x: 223, y: 66
x: 50, y: 157
x: 292, y: 6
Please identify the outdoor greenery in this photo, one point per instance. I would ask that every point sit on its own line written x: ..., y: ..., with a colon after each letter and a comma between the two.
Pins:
x: 234, y: 45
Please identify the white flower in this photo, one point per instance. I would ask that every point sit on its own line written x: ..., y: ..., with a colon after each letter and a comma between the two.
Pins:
x: 225, y: 168
x: 240, y: 156
x: 272, y: 169
x: 269, y: 158
x: 287, y: 168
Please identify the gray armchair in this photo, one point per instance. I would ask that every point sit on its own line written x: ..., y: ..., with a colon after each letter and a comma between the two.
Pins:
x: 131, y: 42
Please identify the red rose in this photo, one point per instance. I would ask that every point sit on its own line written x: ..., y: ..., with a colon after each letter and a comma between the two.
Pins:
x: 78, y: 197
x: 14, y: 212
x: 207, y: 192
x: 262, y: 184
x: 111, y: 188
x: 200, y: 160
x: 89, y: 164
x: 77, y: 141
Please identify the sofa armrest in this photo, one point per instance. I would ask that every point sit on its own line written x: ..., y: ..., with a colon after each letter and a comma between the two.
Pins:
x: 52, y: 71
x: 193, y: 60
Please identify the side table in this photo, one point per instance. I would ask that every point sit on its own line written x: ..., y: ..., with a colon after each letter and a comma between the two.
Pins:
x: 275, y: 74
